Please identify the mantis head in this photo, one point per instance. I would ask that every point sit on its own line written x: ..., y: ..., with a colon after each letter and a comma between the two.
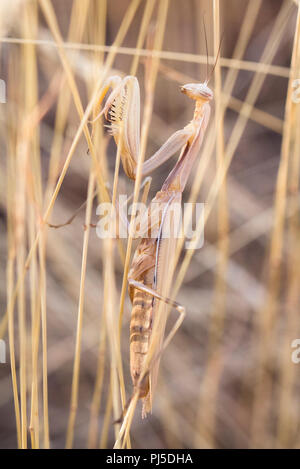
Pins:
x: 198, y: 91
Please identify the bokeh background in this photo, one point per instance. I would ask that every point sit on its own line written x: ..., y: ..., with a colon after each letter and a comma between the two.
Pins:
x: 227, y: 380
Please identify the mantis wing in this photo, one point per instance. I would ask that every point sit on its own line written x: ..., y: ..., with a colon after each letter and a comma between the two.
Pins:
x: 164, y: 270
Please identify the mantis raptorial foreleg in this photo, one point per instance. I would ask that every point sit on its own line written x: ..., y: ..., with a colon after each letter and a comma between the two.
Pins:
x: 122, y: 110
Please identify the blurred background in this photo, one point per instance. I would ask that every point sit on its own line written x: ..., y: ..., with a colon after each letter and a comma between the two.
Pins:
x: 227, y: 380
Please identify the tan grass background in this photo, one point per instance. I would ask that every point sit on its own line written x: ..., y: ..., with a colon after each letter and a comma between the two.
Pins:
x: 227, y: 379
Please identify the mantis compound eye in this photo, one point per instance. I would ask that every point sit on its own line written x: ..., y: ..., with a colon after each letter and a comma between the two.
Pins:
x: 198, y: 91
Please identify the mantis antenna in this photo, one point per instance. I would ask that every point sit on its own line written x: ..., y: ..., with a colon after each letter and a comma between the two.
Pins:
x: 206, y: 46
x: 218, y: 54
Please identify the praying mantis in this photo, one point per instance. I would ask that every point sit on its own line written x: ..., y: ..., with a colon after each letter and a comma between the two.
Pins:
x: 149, y: 276
x: 147, y: 285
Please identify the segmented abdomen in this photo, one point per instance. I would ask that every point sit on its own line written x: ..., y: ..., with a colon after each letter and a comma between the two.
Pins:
x: 140, y: 331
